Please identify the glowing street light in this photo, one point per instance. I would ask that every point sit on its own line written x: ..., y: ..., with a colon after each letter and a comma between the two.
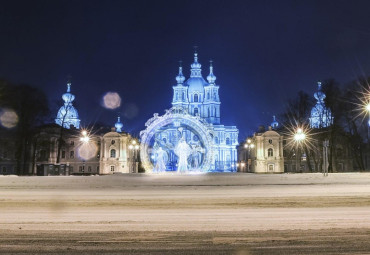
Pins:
x: 248, y: 145
x: 299, y: 135
x: 134, y: 148
x: 85, y: 138
x: 367, y: 107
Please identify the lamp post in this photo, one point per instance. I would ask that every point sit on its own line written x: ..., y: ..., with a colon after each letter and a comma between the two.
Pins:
x: 299, y: 137
x: 134, y: 148
x: 248, y: 146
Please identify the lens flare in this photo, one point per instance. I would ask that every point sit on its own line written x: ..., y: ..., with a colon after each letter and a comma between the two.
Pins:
x: 87, y: 150
x: 8, y: 118
x: 111, y: 100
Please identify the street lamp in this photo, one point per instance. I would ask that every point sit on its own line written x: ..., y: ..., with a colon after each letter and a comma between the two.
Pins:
x: 299, y: 137
x: 84, y: 138
x: 134, y: 148
x: 248, y: 146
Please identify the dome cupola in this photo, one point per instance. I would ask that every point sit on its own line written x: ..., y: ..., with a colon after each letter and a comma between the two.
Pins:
x: 211, y: 77
x: 319, y: 95
x: 180, y: 78
x: 196, y: 82
x: 274, y: 123
x: 118, y: 125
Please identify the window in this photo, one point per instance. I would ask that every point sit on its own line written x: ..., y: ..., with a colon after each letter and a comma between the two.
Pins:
x: 63, y: 154
x: 70, y: 169
x: 183, y: 96
x: 271, y: 167
x: 81, y: 168
x: 97, y: 169
x: 4, y: 169
x: 208, y: 96
x: 270, y: 141
x: 112, y: 168
x: 112, y: 153
x: 228, y: 141
x: 270, y: 152
x: 89, y: 168
x: 113, y: 142
x: 195, y: 111
x: 209, y: 113
x: 196, y: 98
x: 72, y: 142
x: 177, y: 96
x: 71, y: 154
x: 216, y: 140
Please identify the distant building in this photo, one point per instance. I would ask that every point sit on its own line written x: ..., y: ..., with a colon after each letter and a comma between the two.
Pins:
x: 267, y: 154
x: 98, y: 152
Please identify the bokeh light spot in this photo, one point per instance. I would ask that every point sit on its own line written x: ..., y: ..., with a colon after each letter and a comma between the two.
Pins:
x: 111, y: 100
x: 87, y: 150
x: 8, y: 118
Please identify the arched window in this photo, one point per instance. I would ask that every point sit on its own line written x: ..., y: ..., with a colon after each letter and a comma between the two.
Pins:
x: 195, y: 111
x: 270, y: 152
x: 227, y: 141
x: 112, y: 153
x: 195, y: 97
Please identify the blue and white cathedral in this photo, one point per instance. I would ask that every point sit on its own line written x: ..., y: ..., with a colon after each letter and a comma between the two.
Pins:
x: 189, y: 137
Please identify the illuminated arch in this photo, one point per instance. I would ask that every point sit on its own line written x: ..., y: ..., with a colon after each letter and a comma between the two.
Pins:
x: 178, y: 116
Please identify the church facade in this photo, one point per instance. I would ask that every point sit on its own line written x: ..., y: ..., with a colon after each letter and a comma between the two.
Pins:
x: 190, y: 137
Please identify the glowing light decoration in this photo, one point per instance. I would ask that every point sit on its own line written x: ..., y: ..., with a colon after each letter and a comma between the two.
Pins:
x: 174, y: 146
x: 67, y: 115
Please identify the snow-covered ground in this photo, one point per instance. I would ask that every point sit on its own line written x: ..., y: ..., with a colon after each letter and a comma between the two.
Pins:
x: 219, y: 213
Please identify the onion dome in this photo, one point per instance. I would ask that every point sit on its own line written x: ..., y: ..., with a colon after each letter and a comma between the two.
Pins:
x: 68, y: 97
x: 319, y: 95
x: 118, y: 125
x: 180, y: 78
x: 274, y: 123
x: 211, y: 77
x: 196, y: 65
x: 196, y: 82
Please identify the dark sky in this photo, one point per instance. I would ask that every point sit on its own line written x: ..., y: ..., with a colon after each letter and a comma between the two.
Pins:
x: 264, y: 52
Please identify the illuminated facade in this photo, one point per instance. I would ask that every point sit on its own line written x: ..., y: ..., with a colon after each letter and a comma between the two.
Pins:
x: 189, y: 136
x: 320, y: 114
x: 67, y: 115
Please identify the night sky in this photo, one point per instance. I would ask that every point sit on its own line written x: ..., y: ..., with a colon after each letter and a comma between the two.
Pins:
x: 264, y: 52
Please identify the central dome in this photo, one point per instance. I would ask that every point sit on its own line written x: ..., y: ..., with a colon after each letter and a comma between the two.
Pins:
x: 196, y: 85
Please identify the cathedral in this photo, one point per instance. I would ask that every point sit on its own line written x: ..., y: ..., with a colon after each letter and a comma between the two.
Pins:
x: 189, y: 137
